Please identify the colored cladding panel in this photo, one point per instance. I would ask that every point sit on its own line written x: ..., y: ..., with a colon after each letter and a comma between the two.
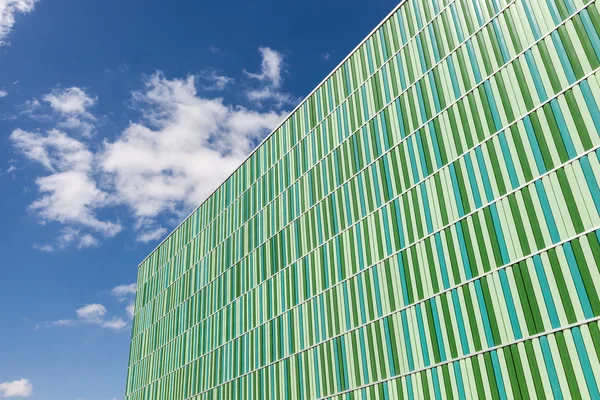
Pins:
x: 426, y: 224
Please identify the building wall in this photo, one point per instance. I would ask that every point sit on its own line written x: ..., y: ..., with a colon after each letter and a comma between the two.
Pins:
x: 425, y: 224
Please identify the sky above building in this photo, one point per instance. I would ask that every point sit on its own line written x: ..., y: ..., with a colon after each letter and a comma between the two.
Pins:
x: 117, y: 118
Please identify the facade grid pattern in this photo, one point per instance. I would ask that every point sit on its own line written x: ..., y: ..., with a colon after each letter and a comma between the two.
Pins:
x: 426, y: 224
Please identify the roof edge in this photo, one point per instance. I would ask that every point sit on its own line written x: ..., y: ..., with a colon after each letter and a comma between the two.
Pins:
x: 383, y: 21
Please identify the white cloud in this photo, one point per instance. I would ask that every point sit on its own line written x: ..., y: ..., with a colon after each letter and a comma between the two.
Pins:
x: 91, y: 312
x: 271, y: 66
x: 60, y: 322
x: 19, y: 388
x: 72, y: 197
x: 271, y: 79
x: 94, y: 314
x: 87, y: 241
x: 31, y: 109
x: 326, y: 56
x: 151, y: 235
x: 8, y: 10
x: 124, y: 290
x: 56, y: 151
x: 115, y: 323
x: 184, y: 147
x: 68, y: 108
x: 44, y: 247
x: 70, y: 101
x: 69, y: 236
x: 69, y: 194
x: 159, y: 167
x: 212, y: 80
x: 73, y: 105
x: 267, y: 93
x: 78, y: 124
x: 3, y: 93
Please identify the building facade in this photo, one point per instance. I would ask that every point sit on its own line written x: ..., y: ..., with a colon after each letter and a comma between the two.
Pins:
x: 425, y: 224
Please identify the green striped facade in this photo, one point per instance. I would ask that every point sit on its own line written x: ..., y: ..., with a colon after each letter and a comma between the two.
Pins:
x: 425, y: 225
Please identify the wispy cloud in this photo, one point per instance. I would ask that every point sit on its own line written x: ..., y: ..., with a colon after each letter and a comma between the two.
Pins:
x: 3, y: 93
x: 212, y: 80
x: 124, y: 290
x: 124, y: 293
x: 67, y: 238
x: 271, y: 79
x: 73, y: 105
x: 18, y: 388
x: 94, y: 314
x: 43, y: 247
x: 151, y: 235
x: 9, y: 9
x: 271, y: 67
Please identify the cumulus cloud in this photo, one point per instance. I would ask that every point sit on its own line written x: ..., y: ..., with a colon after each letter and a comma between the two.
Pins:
x: 87, y: 241
x: 8, y: 11
x: 18, y: 388
x: 73, y: 105
x: 69, y: 194
x: 56, y: 151
x: 95, y: 314
x: 91, y: 312
x: 70, y: 101
x: 130, y: 310
x: 164, y: 163
x: 184, y: 147
x: 72, y: 197
x: 3, y: 93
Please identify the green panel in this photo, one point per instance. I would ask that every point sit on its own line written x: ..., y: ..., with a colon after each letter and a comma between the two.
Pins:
x: 426, y: 224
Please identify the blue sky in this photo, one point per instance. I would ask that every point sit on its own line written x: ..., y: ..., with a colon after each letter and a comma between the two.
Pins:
x: 117, y: 118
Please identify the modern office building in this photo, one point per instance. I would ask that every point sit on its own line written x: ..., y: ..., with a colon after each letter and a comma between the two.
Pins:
x: 424, y: 225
